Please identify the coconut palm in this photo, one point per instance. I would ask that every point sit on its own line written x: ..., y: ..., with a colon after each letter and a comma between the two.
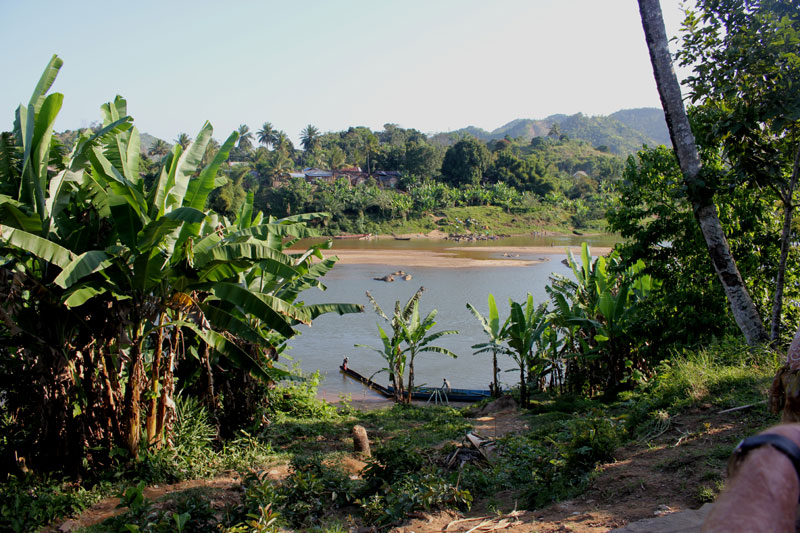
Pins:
x: 309, y: 137
x: 282, y: 143
x: 159, y: 148
x: 266, y: 135
x: 334, y: 158
x: 245, y: 137
x: 183, y: 140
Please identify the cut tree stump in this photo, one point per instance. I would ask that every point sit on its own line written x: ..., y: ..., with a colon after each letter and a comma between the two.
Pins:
x: 361, y: 441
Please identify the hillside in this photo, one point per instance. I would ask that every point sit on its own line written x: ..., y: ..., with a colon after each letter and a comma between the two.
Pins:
x: 623, y: 132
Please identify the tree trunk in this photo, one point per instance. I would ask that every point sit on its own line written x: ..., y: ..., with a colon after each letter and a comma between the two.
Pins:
x: 154, y: 381
x: 361, y: 441
x: 496, y: 391
x: 210, y: 401
x: 165, y: 401
x: 744, y: 312
x: 131, y: 418
x: 523, y: 390
x: 786, y: 235
x: 410, y: 388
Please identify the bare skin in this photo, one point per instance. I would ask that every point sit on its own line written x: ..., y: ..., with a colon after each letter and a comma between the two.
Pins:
x: 763, y: 493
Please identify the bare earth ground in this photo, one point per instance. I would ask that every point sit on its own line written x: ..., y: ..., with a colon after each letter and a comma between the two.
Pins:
x: 661, y: 476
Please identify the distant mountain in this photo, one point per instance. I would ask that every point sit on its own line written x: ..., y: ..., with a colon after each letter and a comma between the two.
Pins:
x: 146, y: 142
x: 623, y: 132
x: 648, y: 120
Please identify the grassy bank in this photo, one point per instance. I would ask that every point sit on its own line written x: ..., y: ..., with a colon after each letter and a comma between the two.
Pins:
x: 552, y: 454
x: 492, y: 220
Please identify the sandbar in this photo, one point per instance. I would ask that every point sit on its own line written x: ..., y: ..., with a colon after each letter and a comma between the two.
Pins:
x: 456, y: 257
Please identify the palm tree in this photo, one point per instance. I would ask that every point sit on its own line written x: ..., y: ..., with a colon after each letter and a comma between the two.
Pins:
x: 266, y: 135
x: 309, y: 137
x: 183, y: 140
x: 334, y: 158
x: 245, y: 137
x: 282, y: 143
x: 496, y: 333
x: 160, y: 147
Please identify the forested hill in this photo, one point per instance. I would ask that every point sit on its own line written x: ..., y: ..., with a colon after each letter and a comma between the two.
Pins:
x: 623, y: 132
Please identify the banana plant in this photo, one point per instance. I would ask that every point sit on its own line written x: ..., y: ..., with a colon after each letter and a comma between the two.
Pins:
x: 497, y: 335
x: 417, y: 340
x: 597, y: 311
x: 525, y: 327
x: 118, y: 267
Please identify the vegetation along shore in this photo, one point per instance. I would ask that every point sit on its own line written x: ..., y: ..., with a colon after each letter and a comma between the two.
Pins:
x: 149, y: 290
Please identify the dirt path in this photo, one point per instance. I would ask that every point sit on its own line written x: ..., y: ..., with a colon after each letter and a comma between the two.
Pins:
x: 668, y: 474
x: 671, y: 472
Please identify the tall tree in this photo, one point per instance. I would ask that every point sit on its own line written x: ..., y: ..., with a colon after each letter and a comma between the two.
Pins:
x: 745, y: 87
x: 309, y: 137
x: 334, y: 158
x: 701, y: 197
x: 183, y: 140
x: 282, y: 143
x: 465, y: 162
x: 266, y: 135
x: 159, y: 148
x: 245, y: 138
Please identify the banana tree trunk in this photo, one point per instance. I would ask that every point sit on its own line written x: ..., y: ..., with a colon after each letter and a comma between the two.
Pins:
x: 786, y: 234
x: 210, y: 399
x: 111, y: 389
x: 154, y: 383
x: 496, y: 389
x: 410, y: 389
x: 165, y: 401
x: 705, y: 212
x: 131, y: 418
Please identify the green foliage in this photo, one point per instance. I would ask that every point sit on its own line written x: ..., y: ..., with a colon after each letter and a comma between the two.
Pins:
x: 391, y: 462
x: 134, y: 275
x: 298, y: 400
x: 465, y: 162
x: 656, y: 219
x: 417, y: 492
x: 601, y: 313
x: 553, y: 461
x: 27, y: 504
x: 409, y: 338
x: 313, y: 488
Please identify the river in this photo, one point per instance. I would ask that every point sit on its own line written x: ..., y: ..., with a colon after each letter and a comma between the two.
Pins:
x: 323, y: 345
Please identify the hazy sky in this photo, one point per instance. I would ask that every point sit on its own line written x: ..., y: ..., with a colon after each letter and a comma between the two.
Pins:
x: 434, y: 65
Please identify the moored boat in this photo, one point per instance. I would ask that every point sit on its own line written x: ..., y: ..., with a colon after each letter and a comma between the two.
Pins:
x: 421, y: 393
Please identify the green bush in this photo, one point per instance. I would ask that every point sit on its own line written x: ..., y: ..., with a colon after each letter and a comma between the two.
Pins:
x: 593, y: 439
x: 312, y: 488
x: 27, y: 504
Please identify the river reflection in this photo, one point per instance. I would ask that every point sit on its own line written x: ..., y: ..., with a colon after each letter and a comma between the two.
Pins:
x: 323, y: 346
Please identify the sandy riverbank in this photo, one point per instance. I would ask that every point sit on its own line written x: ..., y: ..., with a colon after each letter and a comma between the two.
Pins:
x: 457, y: 257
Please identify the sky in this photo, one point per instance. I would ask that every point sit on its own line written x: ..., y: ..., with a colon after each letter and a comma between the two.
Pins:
x: 433, y: 65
